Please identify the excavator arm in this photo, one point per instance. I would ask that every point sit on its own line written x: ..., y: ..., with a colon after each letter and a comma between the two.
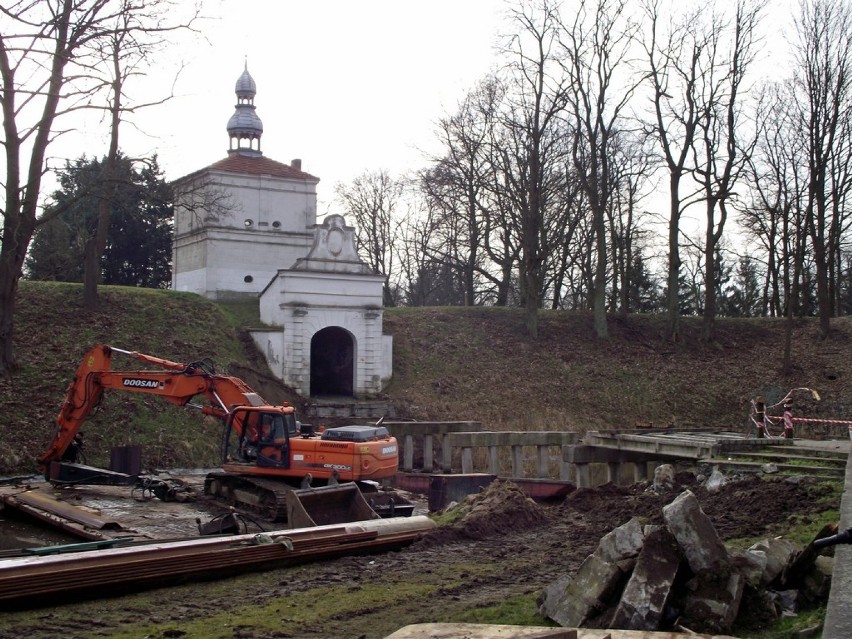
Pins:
x: 175, y: 383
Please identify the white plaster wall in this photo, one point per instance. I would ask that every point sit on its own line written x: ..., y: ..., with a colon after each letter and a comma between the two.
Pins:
x: 271, y: 344
x: 305, y: 302
x: 191, y: 282
x: 214, y: 251
x: 265, y: 200
x: 302, y: 324
x: 313, y: 289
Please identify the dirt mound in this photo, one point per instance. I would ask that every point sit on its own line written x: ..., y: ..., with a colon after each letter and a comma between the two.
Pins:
x: 499, y: 509
x: 752, y: 503
x: 744, y: 506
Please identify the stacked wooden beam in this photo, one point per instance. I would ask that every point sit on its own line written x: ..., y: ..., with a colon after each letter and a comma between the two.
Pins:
x: 30, y: 579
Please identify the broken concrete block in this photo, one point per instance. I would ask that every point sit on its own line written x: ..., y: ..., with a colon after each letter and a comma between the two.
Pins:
x: 644, y: 598
x: 786, y: 600
x: 715, y: 481
x: 751, y: 564
x: 817, y: 581
x: 714, y: 604
x: 779, y: 553
x: 698, y: 539
x: 622, y: 543
x: 664, y: 476
x: 569, y: 602
x: 757, y: 610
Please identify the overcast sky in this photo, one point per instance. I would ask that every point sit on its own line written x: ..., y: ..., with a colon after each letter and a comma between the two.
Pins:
x: 345, y: 86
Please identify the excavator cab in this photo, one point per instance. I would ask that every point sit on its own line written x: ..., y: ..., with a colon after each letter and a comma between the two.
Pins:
x: 263, y: 437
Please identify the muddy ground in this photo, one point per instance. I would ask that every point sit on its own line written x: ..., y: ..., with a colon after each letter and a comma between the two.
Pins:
x: 502, y: 552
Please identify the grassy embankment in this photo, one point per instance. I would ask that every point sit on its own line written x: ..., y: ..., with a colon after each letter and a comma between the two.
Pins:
x: 449, y: 364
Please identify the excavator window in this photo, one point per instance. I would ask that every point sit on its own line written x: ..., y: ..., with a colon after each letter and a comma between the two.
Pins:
x: 272, y: 446
x: 272, y: 429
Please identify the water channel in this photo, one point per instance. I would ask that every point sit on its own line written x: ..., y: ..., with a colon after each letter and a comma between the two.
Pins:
x: 19, y: 531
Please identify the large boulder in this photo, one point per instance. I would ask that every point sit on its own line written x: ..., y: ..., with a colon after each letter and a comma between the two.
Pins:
x: 713, y: 603
x: 569, y: 602
x: 779, y: 553
x: 622, y: 543
x: 647, y: 591
x: 704, y: 551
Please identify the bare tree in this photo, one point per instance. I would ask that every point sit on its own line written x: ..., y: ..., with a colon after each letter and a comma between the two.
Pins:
x: 531, y: 154
x: 599, y: 92
x: 136, y: 33
x: 49, y: 69
x: 775, y: 219
x: 631, y: 167
x: 372, y: 201
x: 824, y: 83
x: 677, y: 67
x: 456, y: 186
x: 722, y: 150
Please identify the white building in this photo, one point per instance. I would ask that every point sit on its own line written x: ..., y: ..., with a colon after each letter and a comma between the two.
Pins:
x: 245, y: 227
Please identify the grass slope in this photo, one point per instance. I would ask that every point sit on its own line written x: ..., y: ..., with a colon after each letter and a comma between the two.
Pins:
x: 449, y: 364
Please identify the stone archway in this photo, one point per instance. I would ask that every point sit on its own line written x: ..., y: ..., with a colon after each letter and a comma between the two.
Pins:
x: 332, y: 362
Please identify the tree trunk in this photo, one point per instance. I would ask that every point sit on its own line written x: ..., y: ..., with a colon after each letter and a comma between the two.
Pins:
x: 8, y: 294
x: 673, y: 277
x: 97, y: 244
x: 600, y: 276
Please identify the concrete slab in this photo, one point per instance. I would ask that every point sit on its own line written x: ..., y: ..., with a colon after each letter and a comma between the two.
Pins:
x: 491, y: 631
x: 109, y: 512
x: 838, y: 614
x: 479, y: 631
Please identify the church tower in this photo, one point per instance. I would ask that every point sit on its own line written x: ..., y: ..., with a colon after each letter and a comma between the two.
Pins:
x: 239, y: 220
x: 245, y: 227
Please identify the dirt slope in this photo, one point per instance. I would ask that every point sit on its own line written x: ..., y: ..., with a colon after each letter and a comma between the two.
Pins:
x: 449, y: 364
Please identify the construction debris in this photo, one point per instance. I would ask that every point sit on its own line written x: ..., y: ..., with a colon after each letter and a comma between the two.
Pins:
x: 680, y: 576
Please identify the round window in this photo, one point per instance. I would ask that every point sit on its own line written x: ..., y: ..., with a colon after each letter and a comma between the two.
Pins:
x: 248, y: 279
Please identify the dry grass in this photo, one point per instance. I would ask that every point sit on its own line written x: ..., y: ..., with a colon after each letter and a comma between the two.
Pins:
x: 449, y: 364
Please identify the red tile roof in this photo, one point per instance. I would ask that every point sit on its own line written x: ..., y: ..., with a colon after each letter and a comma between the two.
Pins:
x: 237, y: 163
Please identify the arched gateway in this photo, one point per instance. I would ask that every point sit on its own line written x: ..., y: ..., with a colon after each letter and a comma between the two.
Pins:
x: 327, y: 313
x: 332, y: 363
x: 244, y: 228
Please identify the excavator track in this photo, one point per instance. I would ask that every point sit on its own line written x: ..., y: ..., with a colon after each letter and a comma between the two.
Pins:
x: 262, y: 497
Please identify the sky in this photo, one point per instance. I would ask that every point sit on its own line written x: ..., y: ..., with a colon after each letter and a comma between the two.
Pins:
x: 345, y: 86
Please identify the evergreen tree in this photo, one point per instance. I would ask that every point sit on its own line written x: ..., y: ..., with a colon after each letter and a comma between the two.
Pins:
x: 743, y: 297
x: 138, y: 251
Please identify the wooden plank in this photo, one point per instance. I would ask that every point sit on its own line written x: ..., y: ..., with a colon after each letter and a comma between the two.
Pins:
x: 62, y: 510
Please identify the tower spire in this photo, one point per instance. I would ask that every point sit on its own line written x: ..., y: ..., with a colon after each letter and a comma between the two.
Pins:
x: 245, y: 127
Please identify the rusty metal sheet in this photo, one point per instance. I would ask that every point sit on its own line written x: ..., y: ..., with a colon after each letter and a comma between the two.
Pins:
x: 61, y: 509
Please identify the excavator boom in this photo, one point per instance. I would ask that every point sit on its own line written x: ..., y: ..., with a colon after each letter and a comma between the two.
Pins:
x: 263, y: 446
x: 177, y: 384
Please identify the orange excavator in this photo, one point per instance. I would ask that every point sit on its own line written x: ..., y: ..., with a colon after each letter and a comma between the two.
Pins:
x: 267, y: 455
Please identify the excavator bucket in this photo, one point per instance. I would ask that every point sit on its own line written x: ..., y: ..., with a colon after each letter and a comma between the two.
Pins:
x: 327, y: 505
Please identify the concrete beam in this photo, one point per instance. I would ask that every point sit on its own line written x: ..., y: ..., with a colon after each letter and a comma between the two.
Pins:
x: 675, y: 446
x: 420, y: 429
x: 512, y: 438
x: 838, y: 613
x: 601, y: 455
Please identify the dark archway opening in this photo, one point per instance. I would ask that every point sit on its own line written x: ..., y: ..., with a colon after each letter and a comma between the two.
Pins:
x: 332, y: 362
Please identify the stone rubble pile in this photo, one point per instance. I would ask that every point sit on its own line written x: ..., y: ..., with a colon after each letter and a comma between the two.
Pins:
x: 680, y: 576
